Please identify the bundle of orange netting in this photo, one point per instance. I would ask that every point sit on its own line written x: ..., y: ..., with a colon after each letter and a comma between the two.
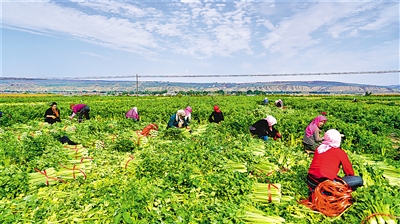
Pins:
x: 148, y: 128
x: 330, y: 198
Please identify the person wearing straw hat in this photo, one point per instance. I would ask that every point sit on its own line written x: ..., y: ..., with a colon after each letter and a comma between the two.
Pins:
x: 178, y: 120
x: 52, y: 114
x: 265, y: 129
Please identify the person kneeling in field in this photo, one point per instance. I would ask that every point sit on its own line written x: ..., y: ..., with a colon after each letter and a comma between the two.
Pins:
x: 133, y: 114
x: 178, y: 120
x: 82, y: 109
x: 326, y: 163
x: 264, y: 128
x: 311, y: 139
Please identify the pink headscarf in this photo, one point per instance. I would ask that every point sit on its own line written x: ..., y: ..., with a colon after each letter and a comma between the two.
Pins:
x: 314, y: 124
x: 188, y: 110
x: 271, y: 120
x: 132, y: 113
x: 332, y: 139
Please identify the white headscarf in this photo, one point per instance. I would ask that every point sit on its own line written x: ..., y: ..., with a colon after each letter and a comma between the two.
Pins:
x: 332, y: 138
x: 271, y: 120
x: 179, y: 113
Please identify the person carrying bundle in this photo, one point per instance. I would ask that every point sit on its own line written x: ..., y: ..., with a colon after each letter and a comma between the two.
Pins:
x: 265, y: 129
x: 311, y: 139
x: 133, y: 114
x: 216, y: 116
x: 178, y: 120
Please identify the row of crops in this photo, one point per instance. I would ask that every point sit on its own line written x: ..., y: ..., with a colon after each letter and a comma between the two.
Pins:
x: 215, y: 174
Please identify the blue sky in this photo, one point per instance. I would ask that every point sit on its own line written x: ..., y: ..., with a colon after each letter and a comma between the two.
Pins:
x: 55, y: 39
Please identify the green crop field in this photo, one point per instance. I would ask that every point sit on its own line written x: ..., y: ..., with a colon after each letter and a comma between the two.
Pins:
x: 212, y: 175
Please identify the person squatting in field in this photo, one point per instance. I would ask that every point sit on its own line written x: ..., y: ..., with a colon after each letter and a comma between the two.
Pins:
x: 81, y: 110
x: 326, y: 163
x: 178, y: 120
x: 216, y: 116
x: 52, y: 114
x: 133, y: 114
x: 311, y: 139
x: 265, y: 129
x: 188, y: 114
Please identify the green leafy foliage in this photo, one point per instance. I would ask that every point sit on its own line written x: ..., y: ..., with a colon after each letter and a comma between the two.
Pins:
x: 182, y: 177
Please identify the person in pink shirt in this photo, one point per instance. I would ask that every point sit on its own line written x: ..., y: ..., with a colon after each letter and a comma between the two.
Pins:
x: 81, y: 110
x: 311, y: 139
x: 328, y: 159
x: 133, y: 114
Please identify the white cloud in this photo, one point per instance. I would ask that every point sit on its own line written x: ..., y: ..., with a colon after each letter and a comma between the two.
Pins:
x: 269, y: 25
x: 92, y: 54
x: 53, y: 19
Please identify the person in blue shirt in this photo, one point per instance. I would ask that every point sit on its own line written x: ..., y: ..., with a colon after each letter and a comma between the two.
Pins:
x: 178, y: 120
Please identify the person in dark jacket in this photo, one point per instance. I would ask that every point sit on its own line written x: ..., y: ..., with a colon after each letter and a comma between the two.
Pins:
x: 81, y: 109
x: 52, y: 115
x: 265, y: 129
x: 216, y: 116
x: 279, y: 103
x: 178, y: 120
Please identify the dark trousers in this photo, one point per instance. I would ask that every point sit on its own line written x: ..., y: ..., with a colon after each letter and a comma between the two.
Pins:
x: 84, y: 112
x: 352, y: 181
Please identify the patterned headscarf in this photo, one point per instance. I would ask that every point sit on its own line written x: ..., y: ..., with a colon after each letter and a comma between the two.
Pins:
x: 188, y: 110
x: 332, y: 139
x: 314, y: 124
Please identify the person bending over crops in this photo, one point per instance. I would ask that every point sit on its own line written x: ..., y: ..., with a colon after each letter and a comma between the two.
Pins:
x: 279, y: 103
x: 327, y: 161
x: 216, y: 116
x: 265, y: 129
x: 311, y: 139
x: 133, y: 114
x: 178, y: 120
x: 52, y: 114
x: 265, y: 101
x: 188, y: 114
x: 81, y: 110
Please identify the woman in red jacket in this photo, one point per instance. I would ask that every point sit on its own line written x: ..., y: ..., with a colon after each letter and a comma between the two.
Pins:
x: 326, y: 163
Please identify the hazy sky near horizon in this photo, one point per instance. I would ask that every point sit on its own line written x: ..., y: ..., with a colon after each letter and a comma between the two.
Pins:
x: 77, y: 38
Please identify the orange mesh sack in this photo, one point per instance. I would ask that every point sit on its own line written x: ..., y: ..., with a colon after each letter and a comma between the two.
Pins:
x: 330, y: 198
x: 148, y: 128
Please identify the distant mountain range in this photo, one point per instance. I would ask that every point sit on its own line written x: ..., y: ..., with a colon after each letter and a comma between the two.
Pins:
x: 101, y: 86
